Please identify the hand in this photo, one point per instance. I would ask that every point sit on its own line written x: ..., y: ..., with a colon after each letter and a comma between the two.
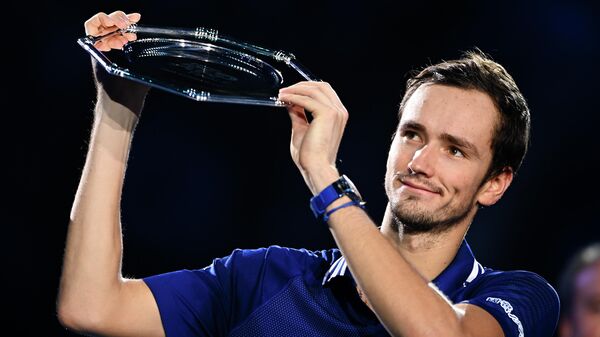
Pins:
x: 102, y: 24
x: 125, y: 92
x: 314, y: 145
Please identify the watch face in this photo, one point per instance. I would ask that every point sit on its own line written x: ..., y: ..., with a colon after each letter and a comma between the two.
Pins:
x: 346, y: 185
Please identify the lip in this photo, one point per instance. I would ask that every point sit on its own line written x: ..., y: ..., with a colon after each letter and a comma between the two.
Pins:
x: 418, y: 187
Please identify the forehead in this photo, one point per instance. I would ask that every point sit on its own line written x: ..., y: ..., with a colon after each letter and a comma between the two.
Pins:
x: 464, y: 113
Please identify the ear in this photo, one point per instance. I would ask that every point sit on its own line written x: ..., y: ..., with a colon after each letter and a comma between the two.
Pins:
x: 493, y: 189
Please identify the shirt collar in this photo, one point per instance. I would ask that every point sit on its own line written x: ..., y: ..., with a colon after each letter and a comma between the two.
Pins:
x: 337, y: 269
x: 461, y: 271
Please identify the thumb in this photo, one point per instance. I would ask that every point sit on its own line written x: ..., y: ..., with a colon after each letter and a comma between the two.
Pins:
x: 297, y: 116
x: 299, y: 125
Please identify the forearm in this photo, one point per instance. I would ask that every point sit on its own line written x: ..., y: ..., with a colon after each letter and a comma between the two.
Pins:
x: 91, y: 271
x: 399, y: 295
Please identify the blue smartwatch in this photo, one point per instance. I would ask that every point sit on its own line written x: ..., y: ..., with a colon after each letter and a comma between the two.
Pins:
x: 341, y: 187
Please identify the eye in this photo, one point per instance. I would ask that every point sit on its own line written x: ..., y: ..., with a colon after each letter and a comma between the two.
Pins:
x: 456, y: 152
x: 410, y: 135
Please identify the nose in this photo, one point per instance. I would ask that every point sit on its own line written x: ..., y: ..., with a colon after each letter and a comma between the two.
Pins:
x: 423, y: 161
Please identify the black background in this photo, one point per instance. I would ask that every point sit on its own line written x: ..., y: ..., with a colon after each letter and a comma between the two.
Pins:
x: 205, y: 178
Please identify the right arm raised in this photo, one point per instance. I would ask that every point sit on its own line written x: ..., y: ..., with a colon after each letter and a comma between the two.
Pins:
x: 94, y: 297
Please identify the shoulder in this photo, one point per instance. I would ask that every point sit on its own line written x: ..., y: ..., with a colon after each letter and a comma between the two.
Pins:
x: 518, y: 299
x: 275, y: 253
x: 291, y: 261
x: 514, y: 279
x: 492, y: 274
x: 518, y: 285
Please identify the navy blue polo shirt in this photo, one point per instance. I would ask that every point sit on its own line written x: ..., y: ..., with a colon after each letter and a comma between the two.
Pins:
x: 278, y: 291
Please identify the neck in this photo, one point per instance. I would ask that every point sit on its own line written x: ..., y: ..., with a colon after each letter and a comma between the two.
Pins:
x: 428, y: 253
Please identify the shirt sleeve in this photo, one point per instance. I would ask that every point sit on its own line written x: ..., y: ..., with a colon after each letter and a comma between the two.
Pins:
x: 193, y: 302
x: 207, y: 301
x: 213, y: 300
x: 522, y: 302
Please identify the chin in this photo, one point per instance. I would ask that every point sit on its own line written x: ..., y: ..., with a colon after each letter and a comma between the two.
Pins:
x: 410, y: 210
x: 410, y: 216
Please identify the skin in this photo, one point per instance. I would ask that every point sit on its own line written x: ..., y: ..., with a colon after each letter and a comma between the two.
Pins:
x: 446, y: 179
x: 584, y: 321
x: 431, y: 178
x: 94, y: 298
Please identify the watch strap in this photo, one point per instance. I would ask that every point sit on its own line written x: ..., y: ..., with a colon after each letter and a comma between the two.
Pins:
x: 341, y: 187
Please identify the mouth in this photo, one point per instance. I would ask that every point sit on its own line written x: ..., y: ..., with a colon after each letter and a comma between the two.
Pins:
x: 419, y: 187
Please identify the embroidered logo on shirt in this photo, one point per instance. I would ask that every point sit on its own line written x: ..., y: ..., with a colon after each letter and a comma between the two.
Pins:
x: 508, y: 309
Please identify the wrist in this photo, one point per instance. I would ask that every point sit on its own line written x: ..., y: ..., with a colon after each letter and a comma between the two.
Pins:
x: 321, y: 177
x: 114, y: 113
x: 123, y: 91
x: 338, y: 195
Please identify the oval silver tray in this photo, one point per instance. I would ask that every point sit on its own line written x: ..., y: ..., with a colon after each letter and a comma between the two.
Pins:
x: 200, y: 64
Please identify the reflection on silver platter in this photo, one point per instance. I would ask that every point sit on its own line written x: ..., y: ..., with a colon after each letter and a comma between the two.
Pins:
x: 201, y: 65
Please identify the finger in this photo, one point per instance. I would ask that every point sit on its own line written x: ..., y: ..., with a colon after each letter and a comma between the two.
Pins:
x: 134, y: 17
x: 306, y: 102
x: 299, y: 84
x: 120, y: 19
x: 102, y: 46
x: 130, y: 36
x: 104, y: 31
x: 297, y: 116
x: 98, y: 23
x: 323, y: 88
x: 315, y: 107
x: 122, y: 39
x: 328, y: 90
x: 299, y: 127
x: 310, y: 90
x: 114, y: 43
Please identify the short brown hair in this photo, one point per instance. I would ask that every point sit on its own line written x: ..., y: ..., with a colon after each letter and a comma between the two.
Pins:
x: 476, y: 70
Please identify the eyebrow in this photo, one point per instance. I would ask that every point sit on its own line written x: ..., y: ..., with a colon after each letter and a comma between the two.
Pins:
x: 455, y: 140
x: 462, y: 143
x: 410, y: 125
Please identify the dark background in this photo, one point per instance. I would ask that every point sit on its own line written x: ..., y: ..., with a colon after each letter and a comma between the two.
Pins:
x: 205, y: 178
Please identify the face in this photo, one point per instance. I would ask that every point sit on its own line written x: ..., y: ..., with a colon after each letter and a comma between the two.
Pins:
x: 585, y: 319
x: 439, y: 157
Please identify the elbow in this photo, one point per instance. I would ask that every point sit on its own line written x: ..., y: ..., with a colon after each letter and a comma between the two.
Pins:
x: 67, y: 318
x: 77, y: 318
x: 83, y: 309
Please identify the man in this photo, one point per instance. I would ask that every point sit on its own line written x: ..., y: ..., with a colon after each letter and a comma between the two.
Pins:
x: 580, y: 294
x: 463, y: 132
